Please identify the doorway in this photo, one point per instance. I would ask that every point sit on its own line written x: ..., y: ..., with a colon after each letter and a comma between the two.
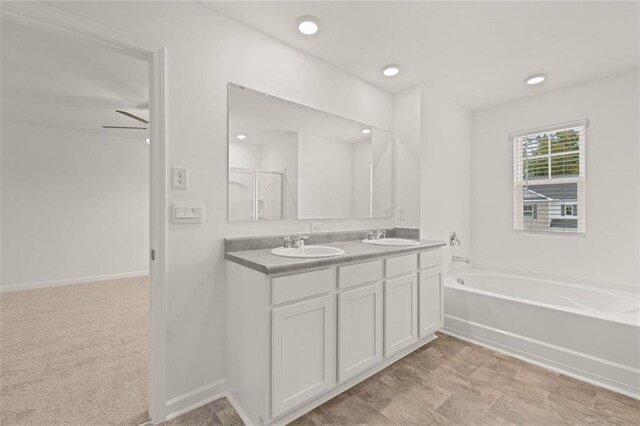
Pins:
x: 83, y: 209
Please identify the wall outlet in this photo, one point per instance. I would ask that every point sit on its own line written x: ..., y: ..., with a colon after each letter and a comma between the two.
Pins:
x: 402, y: 215
x: 179, y: 177
x: 387, y: 212
x: 316, y: 227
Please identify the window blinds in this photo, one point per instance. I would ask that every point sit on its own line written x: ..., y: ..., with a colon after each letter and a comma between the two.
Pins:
x: 549, y: 179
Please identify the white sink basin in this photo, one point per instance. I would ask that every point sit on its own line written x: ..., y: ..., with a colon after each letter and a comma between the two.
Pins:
x: 307, y: 251
x: 392, y: 242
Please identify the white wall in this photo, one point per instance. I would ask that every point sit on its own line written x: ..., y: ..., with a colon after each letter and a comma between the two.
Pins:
x: 609, y: 251
x: 406, y: 127
x: 205, y: 51
x: 75, y: 206
x: 445, y: 172
x: 324, y: 177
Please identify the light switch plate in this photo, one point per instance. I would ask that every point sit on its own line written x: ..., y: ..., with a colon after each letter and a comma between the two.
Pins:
x: 183, y: 213
x: 401, y: 213
x: 179, y: 177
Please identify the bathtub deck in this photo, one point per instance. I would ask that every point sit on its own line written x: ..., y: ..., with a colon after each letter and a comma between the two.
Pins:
x: 450, y: 381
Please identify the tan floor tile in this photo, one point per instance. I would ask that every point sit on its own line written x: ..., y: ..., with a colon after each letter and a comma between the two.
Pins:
x: 575, y: 413
x: 467, y: 361
x: 521, y: 413
x: 354, y: 411
x: 508, y: 386
x: 462, y: 386
x: 461, y: 411
x: 315, y: 417
x: 428, y: 395
x: 427, y: 360
x: 203, y: 416
x: 226, y: 413
x: 619, y: 408
x: 336, y: 400
x: 403, y: 377
x: 449, y: 345
x: 406, y: 411
x: 559, y: 384
x: 375, y: 393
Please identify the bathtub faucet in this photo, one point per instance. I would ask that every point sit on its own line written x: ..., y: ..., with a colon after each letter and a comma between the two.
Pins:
x: 460, y: 259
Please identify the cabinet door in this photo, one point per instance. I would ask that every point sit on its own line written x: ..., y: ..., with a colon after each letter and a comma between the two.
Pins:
x: 430, y: 305
x: 359, y: 330
x: 401, y: 313
x: 303, y: 352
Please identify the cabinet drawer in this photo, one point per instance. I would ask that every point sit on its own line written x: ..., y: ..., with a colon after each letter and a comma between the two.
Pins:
x: 360, y: 273
x: 431, y: 259
x: 400, y: 265
x: 298, y: 286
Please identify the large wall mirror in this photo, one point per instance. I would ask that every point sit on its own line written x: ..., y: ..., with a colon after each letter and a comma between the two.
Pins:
x: 289, y: 161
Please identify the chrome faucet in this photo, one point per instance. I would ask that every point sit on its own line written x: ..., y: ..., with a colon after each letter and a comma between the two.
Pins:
x: 453, y: 239
x: 377, y: 234
x: 299, y: 240
x: 296, y: 242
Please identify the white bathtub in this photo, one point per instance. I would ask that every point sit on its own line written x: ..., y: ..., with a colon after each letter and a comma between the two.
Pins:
x: 586, y: 332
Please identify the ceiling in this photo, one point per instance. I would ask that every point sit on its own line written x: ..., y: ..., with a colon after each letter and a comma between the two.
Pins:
x: 475, y: 53
x: 67, y: 82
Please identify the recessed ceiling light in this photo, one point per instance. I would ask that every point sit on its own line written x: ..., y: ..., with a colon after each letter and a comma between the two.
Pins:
x: 391, y: 70
x: 241, y: 136
x: 147, y: 140
x: 308, y: 25
x: 535, y: 79
x: 365, y: 131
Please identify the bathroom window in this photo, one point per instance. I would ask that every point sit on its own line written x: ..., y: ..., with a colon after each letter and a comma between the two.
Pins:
x: 549, y: 179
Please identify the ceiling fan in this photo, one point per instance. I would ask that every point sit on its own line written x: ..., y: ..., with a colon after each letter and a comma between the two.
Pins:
x: 135, y: 117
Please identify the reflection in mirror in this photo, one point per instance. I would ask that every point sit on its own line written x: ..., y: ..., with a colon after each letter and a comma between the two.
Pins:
x: 290, y: 161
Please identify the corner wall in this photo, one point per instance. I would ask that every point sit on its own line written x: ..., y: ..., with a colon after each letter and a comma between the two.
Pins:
x: 608, y: 253
x: 445, y: 175
x: 406, y: 127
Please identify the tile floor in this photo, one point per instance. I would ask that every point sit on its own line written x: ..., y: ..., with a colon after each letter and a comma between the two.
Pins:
x: 453, y: 382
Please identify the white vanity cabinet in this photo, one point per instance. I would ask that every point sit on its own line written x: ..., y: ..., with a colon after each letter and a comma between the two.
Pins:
x: 297, y: 339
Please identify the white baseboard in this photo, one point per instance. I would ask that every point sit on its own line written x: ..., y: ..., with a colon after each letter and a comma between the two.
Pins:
x: 616, y: 377
x: 81, y: 280
x: 196, y: 398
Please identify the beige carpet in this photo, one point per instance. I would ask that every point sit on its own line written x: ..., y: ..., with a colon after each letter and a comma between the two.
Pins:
x: 75, y: 355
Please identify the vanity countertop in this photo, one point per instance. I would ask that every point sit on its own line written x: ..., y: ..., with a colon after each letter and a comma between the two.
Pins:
x: 262, y: 260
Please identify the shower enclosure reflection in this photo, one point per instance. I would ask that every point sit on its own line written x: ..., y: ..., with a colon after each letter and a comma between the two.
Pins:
x: 255, y: 194
x: 290, y: 161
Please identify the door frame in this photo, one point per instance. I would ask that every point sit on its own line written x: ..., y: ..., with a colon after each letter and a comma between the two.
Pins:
x: 49, y: 18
